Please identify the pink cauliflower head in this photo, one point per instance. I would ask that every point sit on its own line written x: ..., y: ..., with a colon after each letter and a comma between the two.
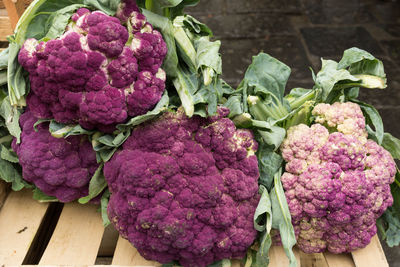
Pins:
x: 186, y: 189
x: 337, y: 183
x: 59, y: 167
x: 97, y: 73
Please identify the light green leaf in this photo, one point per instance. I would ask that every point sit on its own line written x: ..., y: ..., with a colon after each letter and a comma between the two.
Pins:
x: 391, y: 144
x: 161, y: 106
x: 9, y: 155
x: 4, y: 58
x: 282, y: 219
x: 42, y: 197
x: 208, y: 55
x: 263, y: 213
x: 12, y: 174
x: 169, y: 3
x: 107, y: 6
x: 96, y: 186
x: 103, y: 207
x: 274, y: 136
x: 60, y: 130
x: 11, y: 118
x: 17, y: 84
x: 262, y: 258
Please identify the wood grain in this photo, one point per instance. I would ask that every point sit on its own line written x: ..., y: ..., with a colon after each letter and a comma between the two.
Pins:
x: 372, y: 255
x: 126, y: 254
x: 15, y: 8
x: 278, y: 258
x: 339, y: 260
x: 20, y: 219
x: 76, y: 239
x: 5, y: 28
x: 313, y: 260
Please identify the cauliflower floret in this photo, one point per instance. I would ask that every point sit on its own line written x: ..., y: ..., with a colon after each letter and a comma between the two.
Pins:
x: 59, y: 167
x: 337, y: 184
x: 186, y: 189
x: 92, y: 75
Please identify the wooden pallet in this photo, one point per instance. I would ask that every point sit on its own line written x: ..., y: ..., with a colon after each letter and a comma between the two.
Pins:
x: 33, y: 233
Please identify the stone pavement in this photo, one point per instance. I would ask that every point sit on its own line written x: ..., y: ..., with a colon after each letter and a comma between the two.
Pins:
x: 299, y: 32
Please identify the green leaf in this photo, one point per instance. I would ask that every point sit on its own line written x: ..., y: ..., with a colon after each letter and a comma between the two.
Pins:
x: 103, y: 207
x: 373, y: 119
x: 9, y: 155
x: 193, y: 25
x: 96, y: 186
x: 208, y: 55
x: 11, y: 118
x: 107, y: 6
x: 17, y: 84
x: 11, y: 173
x: 235, y: 105
x: 161, y: 106
x: 42, y: 197
x: 392, y: 233
x: 178, y: 10
x: 262, y: 258
x: 164, y: 25
x: 59, y: 20
x: 4, y: 58
x: 329, y: 76
x: 60, y: 130
x: 269, y: 163
x: 169, y: 3
x: 281, y: 218
x: 359, y: 61
x: 391, y: 144
x: 263, y: 213
x: 274, y: 136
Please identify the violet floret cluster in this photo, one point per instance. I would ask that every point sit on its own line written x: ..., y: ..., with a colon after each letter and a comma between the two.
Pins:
x: 97, y: 73
x: 337, y: 183
x: 59, y: 167
x: 186, y: 189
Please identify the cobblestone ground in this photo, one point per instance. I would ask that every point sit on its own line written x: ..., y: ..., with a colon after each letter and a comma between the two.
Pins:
x: 299, y: 32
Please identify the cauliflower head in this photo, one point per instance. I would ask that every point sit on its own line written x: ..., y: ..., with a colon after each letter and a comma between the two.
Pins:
x: 337, y: 182
x: 98, y: 73
x: 59, y: 167
x: 186, y: 189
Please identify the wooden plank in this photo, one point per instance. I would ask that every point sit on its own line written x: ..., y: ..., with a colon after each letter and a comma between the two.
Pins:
x: 339, y: 260
x: 278, y: 258
x: 4, y: 188
x: 20, y: 219
x: 126, y: 254
x: 313, y: 260
x: 372, y: 255
x: 76, y: 239
x: 5, y: 28
x: 15, y: 8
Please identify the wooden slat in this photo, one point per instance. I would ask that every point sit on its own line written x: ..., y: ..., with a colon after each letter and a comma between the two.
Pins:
x: 278, y: 258
x: 372, y: 255
x: 77, y: 236
x: 20, y: 219
x: 339, y: 260
x: 126, y: 254
x: 5, y: 28
x: 15, y: 8
x: 313, y: 260
x: 4, y: 188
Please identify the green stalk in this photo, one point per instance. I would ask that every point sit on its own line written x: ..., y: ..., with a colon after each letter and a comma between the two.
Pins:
x: 371, y: 81
x: 183, y: 92
x: 262, y: 111
x: 298, y: 102
x: 185, y: 46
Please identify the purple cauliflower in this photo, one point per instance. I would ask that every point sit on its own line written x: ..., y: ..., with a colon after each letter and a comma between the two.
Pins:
x: 186, y: 189
x: 337, y: 183
x: 97, y: 73
x: 59, y: 167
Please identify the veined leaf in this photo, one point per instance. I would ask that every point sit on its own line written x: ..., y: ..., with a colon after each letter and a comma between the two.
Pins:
x: 391, y: 144
x: 96, y: 185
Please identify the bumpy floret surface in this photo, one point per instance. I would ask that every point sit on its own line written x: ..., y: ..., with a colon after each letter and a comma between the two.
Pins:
x: 92, y: 75
x: 59, y: 167
x: 186, y: 189
x: 337, y: 183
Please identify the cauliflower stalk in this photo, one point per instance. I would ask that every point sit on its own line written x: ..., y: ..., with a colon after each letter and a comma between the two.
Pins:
x: 186, y: 189
x: 99, y: 72
x: 337, y: 182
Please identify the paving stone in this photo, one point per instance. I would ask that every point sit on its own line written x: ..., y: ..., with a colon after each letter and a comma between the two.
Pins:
x: 208, y: 7
x: 386, y: 11
x: 237, y: 56
x: 254, y: 6
x: 393, y: 49
x: 255, y: 25
x: 393, y: 29
x: 331, y: 42
x: 337, y: 11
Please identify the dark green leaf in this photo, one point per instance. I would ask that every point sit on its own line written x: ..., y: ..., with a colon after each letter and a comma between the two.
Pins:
x: 42, y: 197
x: 282, y: 220
x: 96, y: 186
x: 373, y: 119
x: 8, y: 154
x: 10, y: 173
x: 103, y: 207
x: 11, y: 118
x: 58, y: 21
x: 235, y: 105
x: 391, y: 144
x: 269, y: 163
